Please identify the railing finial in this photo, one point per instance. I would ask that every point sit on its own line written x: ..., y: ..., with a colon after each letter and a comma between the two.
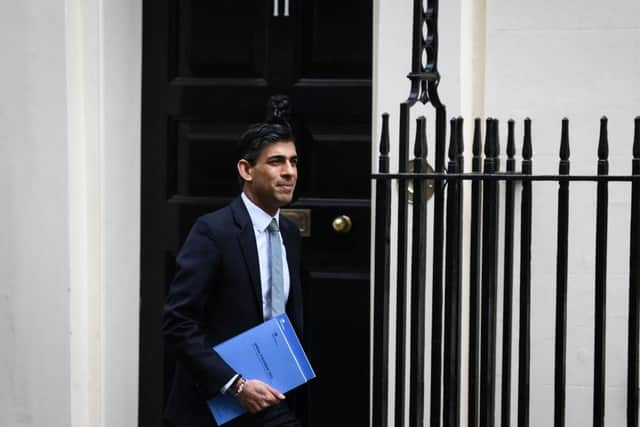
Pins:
x: 527, y: 146
x: 636, y: 138
x: 511, y: 143
x: 420, y: 147
x: 603, y: 144
x: 477, y: 137
x: 460, y: 130
x: 492, y: 147
x: 453, y: 140
x: 496, y: 131
x: 564, y: 140
x: 384, y: 135
x: 487, y: 136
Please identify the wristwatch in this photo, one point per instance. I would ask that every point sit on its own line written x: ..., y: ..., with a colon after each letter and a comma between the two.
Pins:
x: 238, y: 386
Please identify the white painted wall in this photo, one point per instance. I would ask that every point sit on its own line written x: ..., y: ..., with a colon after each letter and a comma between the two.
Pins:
x: 578, y: 59
x: 69, y: 179
x: 544, y: 60
x: 34, y: 262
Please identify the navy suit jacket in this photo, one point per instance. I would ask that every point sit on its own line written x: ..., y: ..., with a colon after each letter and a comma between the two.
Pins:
x: 215, y: 295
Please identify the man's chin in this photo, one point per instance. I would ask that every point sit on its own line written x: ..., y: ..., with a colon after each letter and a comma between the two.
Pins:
x: 284, y: 200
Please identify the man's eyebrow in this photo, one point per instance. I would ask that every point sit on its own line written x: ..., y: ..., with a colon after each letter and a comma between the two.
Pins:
x: 281, y: 157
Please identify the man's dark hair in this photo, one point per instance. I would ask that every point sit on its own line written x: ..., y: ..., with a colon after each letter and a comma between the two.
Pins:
x: 258, y: 135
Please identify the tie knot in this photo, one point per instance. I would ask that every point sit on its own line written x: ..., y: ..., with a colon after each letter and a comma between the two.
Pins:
x: 273, y: 226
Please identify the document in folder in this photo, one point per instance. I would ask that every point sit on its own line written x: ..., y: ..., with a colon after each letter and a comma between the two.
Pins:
x: 269, y: 352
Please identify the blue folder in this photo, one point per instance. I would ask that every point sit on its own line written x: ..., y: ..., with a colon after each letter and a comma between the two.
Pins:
x: 269, y: 352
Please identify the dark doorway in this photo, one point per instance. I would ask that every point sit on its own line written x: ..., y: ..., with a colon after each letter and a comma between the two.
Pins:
x: 209, y: 68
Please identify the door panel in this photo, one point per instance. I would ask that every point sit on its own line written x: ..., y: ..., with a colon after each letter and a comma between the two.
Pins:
x: 208, y: 70
x: 206, y: 158
x: 213, y: 41
x: 343, y: 342
x: 329, y: 43
x: 335, y: 155
x: 333, y: 252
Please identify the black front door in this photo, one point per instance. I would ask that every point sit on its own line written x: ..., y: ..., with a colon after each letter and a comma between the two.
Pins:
x: 209, y: 68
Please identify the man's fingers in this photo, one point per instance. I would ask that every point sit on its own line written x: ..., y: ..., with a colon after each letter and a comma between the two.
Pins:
x: 267, y: 391
x: 257, y: 396
x: 259, y: 405
x: 274, y: 392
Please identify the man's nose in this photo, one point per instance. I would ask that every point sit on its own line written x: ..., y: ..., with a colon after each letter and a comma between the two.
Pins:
x: 288, y: 168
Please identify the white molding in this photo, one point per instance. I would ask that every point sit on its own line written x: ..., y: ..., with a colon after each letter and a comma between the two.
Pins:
x: 121, y: 100
x: 103, y: 59
x: 473, y: 62
x: 85, y: 211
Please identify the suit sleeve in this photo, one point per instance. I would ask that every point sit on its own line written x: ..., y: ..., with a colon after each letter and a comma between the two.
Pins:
x: 183, y: 324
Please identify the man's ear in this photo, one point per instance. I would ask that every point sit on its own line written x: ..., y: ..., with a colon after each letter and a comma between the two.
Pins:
x: 244, y: 170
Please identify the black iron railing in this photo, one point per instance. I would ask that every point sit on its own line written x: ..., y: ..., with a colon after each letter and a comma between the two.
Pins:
x: 487, y: 184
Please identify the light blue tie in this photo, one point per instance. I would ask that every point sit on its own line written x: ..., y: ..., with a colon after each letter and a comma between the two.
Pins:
x: 275, y: 258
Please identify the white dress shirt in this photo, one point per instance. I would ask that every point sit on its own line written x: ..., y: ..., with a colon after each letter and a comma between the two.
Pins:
x: 261, y: 220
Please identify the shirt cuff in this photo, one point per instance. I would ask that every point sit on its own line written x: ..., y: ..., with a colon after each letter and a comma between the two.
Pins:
x: 229, y: 383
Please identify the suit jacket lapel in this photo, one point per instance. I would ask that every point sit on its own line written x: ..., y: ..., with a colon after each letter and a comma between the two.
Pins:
x: 247, y: 240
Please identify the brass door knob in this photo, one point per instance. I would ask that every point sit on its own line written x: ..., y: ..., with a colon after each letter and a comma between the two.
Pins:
x: 342, y: 224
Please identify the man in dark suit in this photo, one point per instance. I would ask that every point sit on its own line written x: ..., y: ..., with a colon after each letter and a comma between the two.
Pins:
x: 238, y: 267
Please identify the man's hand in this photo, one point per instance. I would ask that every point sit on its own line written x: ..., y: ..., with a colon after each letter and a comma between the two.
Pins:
x: 256, y: 396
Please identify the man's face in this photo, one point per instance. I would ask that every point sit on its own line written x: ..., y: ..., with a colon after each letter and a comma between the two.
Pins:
x: 270, y: 182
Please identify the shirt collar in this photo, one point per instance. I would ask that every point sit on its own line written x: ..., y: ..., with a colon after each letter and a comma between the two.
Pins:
x: 259, y: 218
